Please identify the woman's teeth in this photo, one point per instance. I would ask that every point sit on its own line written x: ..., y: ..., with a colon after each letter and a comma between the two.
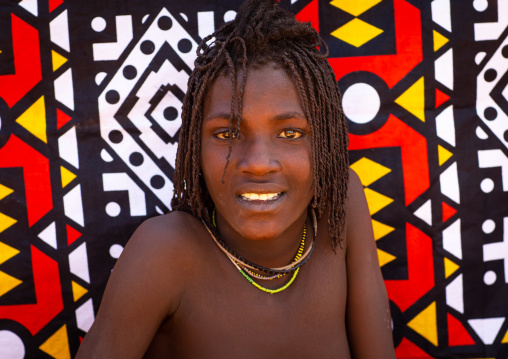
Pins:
x: 259, y: 197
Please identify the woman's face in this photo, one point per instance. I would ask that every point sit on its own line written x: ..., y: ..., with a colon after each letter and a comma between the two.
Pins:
x: 268, y: 183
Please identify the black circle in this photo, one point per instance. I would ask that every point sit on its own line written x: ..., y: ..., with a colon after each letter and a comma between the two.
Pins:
x: 504, y: 52
x: 157, y: 182
x: 490, y: 75
x: 112, y: 96
x: 136, y: 159
x: 505, y: 135
x: 184, y: 45
x: 165, y: 23
x: 490, y: 113
x: 170, y: 113
x: 130, y: 72
x: 147, y: 47
x: 115, y: 136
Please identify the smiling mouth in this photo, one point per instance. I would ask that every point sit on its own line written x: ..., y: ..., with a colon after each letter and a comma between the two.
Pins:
x: 261, y: 197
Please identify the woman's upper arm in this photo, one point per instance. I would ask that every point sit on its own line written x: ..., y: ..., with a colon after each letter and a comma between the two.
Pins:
x: 140, y: 294
x: 368, y: 315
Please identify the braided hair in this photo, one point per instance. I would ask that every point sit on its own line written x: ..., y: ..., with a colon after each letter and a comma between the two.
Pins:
x: 263, y: 33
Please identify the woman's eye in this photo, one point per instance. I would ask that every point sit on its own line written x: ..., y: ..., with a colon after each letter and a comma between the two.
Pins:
x: 290, y: 134
x: 225, y: 135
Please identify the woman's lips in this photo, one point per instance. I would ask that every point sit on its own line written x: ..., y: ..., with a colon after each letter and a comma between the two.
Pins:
x: 260, y: 198
x: 250, y: 196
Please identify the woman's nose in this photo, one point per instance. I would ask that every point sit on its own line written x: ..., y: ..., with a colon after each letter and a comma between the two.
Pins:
x: 257, y: 156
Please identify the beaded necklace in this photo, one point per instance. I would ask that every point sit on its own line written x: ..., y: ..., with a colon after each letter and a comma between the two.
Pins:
x: 298, y: 254
x: 298, y: 261
x: 270, y: 271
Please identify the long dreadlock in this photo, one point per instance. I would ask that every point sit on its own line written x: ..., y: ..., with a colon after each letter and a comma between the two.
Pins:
x: 264, y: 33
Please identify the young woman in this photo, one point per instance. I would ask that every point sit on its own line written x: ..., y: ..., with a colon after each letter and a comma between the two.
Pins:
x: 269, y: 251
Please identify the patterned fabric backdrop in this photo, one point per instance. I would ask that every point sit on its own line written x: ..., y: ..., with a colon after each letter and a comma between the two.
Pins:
x: 90, y: 101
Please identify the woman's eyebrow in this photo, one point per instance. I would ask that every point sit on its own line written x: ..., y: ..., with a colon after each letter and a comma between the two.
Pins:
x: 280, y: 117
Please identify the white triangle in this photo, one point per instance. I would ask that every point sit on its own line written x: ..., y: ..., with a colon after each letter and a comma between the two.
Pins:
x: 449, y: 181
x: 30, y: 6
x: 59, y: 31
x: 441, y: 13
x: 487, y: 328
x: 425, y: 213
x: 49, y: 235
x: 452, y: 240
x: 455, y: 294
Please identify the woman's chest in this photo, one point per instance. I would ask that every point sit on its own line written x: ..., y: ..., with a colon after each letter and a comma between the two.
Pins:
x: 223, y: 315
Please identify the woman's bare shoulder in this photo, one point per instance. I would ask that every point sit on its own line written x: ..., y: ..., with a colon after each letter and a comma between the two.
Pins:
x: 173, y: 231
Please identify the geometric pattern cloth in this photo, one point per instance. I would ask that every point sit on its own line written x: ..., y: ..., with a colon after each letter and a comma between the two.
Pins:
x: 90, y: 101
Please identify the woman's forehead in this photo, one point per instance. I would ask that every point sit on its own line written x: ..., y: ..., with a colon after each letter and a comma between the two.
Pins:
x: 265, y: 85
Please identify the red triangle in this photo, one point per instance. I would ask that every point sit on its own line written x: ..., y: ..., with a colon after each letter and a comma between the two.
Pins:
x: 448, y: 211
x: 310, y: 13
x: 457, y: 334
x: 406, y: 349
x: 441, y: 98
x: 72, y: 235
x: 53, y: 4
x: 61, y: 119
x: 80, y: 339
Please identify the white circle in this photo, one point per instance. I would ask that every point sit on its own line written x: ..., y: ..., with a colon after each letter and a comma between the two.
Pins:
x: 100, y: 77
x: 487, y: 185
x: 115, y: 250
x: 490, y: 277
x: 98, y: 24
x: 488, y: 226
x: 159, y: 211
x: 11, y: 346
x: 113, y: 209
x: 479, y: 57
x: 480, y: 5
x: 184, y: 17
x: 361, y: 102
x: 229, y: 15
x: 145, y: 18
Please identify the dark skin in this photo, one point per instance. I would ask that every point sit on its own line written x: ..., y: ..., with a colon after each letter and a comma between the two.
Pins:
x: 174, y: 294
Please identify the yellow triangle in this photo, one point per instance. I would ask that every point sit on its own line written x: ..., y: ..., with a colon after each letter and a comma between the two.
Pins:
x: 7, y: 283
x: 66, y: 175
x: 5, y: 191
x: 376, y: 201
x: 369, y: 171
x: 380, y: 229
x: 443, y: 154
x: 384, y: 257
x: 34, y: 120
x: 505, y: 338
x: 354, y: 7
x: 5, y: 222
x: 58, y: 60
x: 425, y: 324
x: 57, y: 345
x: 439, y: 40
x: 78, y: 291
x: 6, y: 252
x: 449, y: 267
x: 413, y: 99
